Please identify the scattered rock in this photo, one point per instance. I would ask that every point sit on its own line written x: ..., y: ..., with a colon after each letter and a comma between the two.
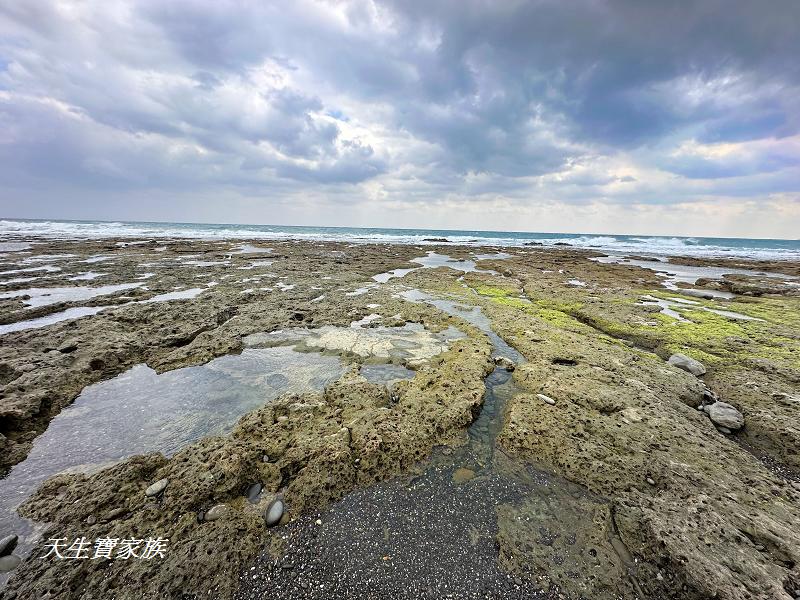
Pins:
x: 688, y: 364
x: 9, y: 563
x: 546, y: 399
x: 725, y: 415
x: 274, y: 512
x: 254, y: 493
x: 216, y: 512
x: 462, y: 475
x: 506, y: 363
x: 7, y: 544
x: 156, y: 488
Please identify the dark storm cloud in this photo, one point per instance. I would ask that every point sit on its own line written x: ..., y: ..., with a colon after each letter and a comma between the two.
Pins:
x: 406, y: 93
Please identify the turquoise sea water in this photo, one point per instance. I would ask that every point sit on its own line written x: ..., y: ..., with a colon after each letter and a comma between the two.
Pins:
x: 11, y: 229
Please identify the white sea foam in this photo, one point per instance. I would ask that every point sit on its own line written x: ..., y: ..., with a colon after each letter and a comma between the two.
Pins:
x: 20, y: 231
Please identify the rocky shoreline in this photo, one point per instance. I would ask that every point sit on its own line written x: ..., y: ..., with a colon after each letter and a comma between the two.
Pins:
x: 674, y: 416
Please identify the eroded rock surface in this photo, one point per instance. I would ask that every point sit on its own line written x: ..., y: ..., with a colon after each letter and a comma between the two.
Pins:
x: 668, y: 506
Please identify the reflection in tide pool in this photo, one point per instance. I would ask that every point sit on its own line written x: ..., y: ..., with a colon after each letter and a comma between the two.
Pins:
x: 142, y: 411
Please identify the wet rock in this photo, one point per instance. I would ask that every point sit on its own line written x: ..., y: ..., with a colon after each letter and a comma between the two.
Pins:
x: 505, y: 363
x: 9, y: 563
x: 546, y: 399
x: 156, y: 488
x: 725, y: 415
x: 216, y: 512
x: 254, y: 493
x: 274, y: 512
x: 7, y: 544
x: 462, y: 475
x: 688, y: 364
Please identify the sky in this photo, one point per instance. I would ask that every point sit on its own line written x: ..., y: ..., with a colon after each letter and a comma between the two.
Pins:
x: 672, y: 118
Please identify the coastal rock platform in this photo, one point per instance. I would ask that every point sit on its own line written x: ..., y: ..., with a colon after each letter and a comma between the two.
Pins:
x: 618, y: 487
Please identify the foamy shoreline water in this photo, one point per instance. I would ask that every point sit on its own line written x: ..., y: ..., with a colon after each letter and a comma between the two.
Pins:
x: 13, y: 230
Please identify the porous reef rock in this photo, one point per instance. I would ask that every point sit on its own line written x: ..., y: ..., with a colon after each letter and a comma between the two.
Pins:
x: 623, y: 418
x: 349, y: 436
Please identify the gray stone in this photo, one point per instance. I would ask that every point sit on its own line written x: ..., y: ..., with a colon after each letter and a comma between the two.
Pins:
x: 254, y: 493
x: 216, y: 512
x: 724, y: 430
x: 156, y: 488
x: 688, y: 364
x: 723, y: 414
x: 7, y: 544
x: 9, y: 563
x: 274, y: 512
x: 546, y: 399
x: 650, y: 481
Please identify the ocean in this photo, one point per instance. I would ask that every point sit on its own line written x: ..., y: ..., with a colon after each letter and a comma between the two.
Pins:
x: 763, y: 249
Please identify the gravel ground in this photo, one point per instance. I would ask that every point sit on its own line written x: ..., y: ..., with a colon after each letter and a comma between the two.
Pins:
x: 421, y: 537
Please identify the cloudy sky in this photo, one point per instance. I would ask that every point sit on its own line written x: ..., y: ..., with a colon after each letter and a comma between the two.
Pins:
x: 679, y: 117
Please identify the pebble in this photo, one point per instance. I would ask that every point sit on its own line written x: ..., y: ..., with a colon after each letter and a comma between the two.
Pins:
x: 274, y: 512
x: 723, y: 414
x: 9, y: 563
x: 650, y: 481
x: 216, y: 512
x: 546, y: 399
x: 265, y: 458
x: 156, y: 488
x: 724, y: 430
x: 688, y: 364
x: 254, y: 493
x: 91, y: 520
x: 7, y: 544
x: 318, y: 521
